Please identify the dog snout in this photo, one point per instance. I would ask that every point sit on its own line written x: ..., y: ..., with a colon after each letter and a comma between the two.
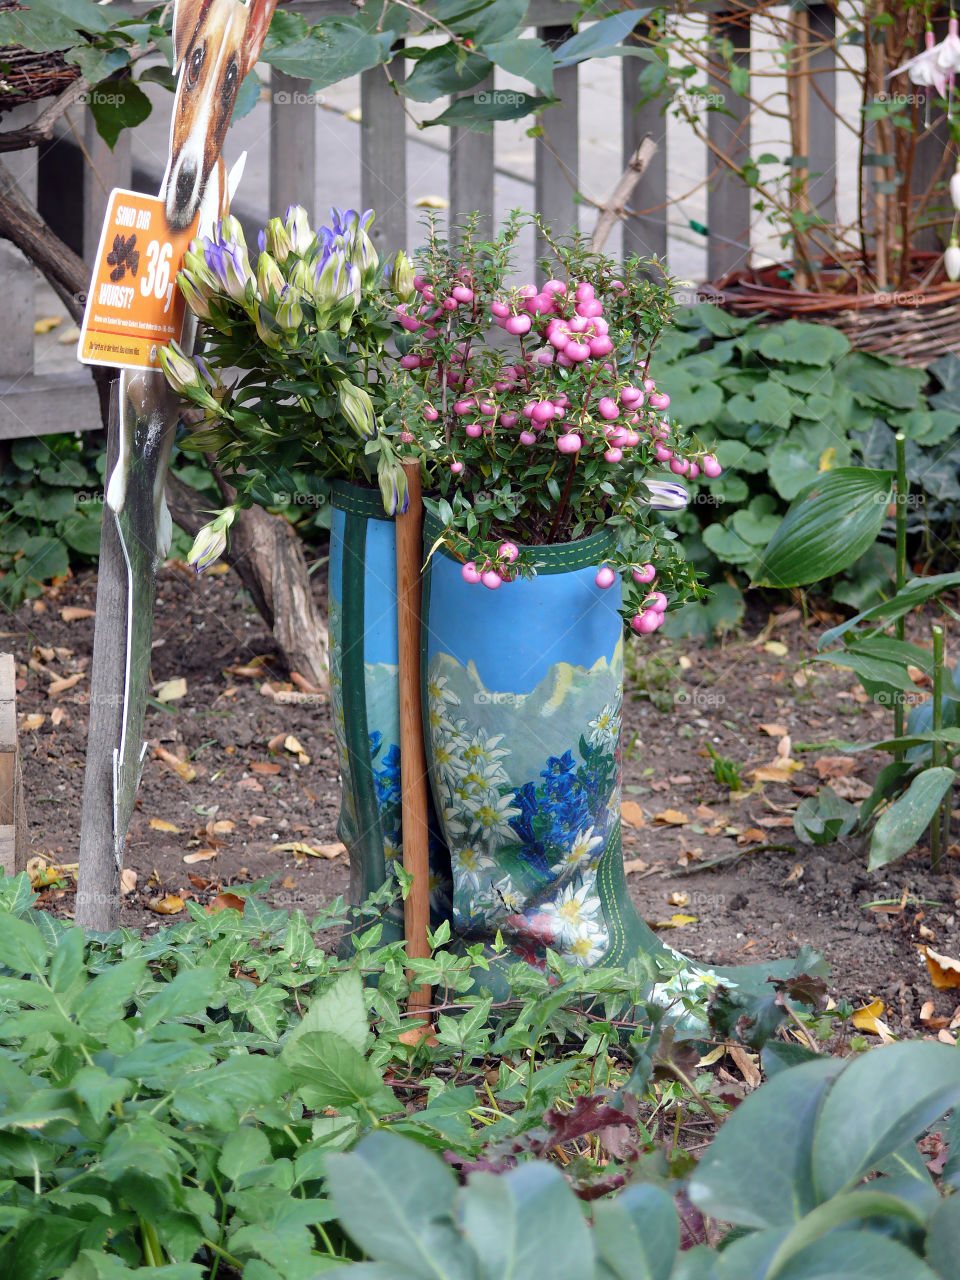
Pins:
x: 186, y: 184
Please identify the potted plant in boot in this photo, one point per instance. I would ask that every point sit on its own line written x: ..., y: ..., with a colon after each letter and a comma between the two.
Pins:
x: 536, y: 413
x: 293, y: 382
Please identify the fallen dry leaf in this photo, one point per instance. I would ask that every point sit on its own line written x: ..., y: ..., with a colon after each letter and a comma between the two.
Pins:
x: 46, y: 323
x: 835, y: 766
x: 800, y: 679
x: 226, y: 902
x: 161, y: 824
x: 288, y: 882
x: 293, y: 746
x: 199, y: 855
x: 182, y: 768
x: 74, y: 613
x: 926, y: 934
x: 250, y: 784
x: 781, y: 770
x: 171, y: 690
x: 421, y: 1031
x: 168, y: 906
x: 678, y: 898
x: 929, y: 1018
x: 61, y: 686
x: 783, y: 747
x: 224, y: 826
x: 312, y: 851
x: 750, y: 835
x: 671, y: 817
x: 632, y: 815
x: 57, y: 716
x: 264, y: 766
x: 773, y: 730
x: 868, y: 1019
x: 32, y: 722
x: 944, y: 970
x: 796, y: 873
x: 305, y: 685
x: 746, y: 1064
x: 675, y: 922
x: 128, y: 880
x: 780, y: 820
x: 632, y: 865
x: 777, y: 648
x: 42, y: 873
x: 431, y: 202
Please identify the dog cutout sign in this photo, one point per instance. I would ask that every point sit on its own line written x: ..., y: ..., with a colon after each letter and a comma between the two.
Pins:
x: 134, y: 306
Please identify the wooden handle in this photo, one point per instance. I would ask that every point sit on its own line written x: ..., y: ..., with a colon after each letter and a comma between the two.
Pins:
x: 413, y: 759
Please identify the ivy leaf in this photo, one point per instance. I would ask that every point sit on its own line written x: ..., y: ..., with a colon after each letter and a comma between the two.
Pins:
x: 480, y: 111
x: 117, y: 105
x: 529, y: 59
x: 338, y: 50
x: 444, y: 70
x: 601, y: 39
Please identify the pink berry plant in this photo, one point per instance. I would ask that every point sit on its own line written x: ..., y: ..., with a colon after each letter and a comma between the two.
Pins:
x: 537, y: 416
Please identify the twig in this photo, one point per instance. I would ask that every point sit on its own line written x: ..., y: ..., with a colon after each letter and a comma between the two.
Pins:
x: 615, y: 207
x: 733, y: 857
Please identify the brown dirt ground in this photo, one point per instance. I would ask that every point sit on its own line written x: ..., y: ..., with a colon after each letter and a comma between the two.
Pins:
x: 681, y: 696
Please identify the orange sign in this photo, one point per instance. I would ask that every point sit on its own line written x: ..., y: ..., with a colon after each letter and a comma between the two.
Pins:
x: 134, y: 306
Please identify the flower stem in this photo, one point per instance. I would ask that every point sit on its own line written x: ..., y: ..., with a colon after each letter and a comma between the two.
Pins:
x: 936, y: 826
x: 901, y: 570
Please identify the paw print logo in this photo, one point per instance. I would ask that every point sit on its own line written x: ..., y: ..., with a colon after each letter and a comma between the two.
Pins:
x: 124, y: 254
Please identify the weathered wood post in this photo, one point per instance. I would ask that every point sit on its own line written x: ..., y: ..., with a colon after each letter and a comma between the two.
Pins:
x: 13, y: 823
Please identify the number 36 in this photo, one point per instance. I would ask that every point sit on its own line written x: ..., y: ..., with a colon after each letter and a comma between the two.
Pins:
x: 157, y: 279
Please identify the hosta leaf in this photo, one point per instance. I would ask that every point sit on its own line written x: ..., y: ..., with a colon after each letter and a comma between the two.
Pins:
x: 796, y: 342
x: 827, y: 528
x: 901, y: 826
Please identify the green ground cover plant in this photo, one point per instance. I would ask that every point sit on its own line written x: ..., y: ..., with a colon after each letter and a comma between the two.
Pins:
x: 226, y: 1098
x: 782, y: 405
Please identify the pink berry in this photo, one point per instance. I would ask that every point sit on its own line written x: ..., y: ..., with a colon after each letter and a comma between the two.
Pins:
x: 576, y: 351
x: 649, y: 385
x: 679, y: 466
x: 464, y: 406
x: 631, y: 438
x: 645, y: 574
x: 518, y: 325
x: 694, y: 471
x: 528, y: 408
x: 644, y: 623
x: 500, y: 309
x: 590, y: 308
x: 570, y: 443
x: 456, y: 467
x: 429, y: 295
x: 527, y: 437
x: 613, y: 455
x: 662, y: 453
x: 630, y: 397
x: 659, y: 400
x: 554, y: 286
x: 618, y: 286
x: 491, y: 579
x: 469, y: 571
x: 585, y: 292
x: 711, y: 467
x: 419, y: 283
x: 474, y: 430
x: 600, y: 346
x: 543, y: 411
x: 563, y: 360
x: 545, y: 356
x: 449, y: 304
x: 605, y: 577
x: 461, y: 293
x: 509, y: 419
x: 509, y: 551
x: 410, y: 362
x: 656, y: 601
x: 430, y: 413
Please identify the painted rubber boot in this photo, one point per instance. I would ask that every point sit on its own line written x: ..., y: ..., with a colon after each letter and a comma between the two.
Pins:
x: 364, y: 697
x: 523, y: 689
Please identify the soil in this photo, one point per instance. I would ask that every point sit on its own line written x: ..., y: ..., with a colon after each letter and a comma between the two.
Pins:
x: 222, y: 781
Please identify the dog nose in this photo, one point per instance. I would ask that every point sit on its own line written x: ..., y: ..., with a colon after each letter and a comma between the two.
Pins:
x: 186, y: 182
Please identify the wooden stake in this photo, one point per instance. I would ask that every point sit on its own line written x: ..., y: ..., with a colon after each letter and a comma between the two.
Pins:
x: 413, y: 766
x: 13, y: 824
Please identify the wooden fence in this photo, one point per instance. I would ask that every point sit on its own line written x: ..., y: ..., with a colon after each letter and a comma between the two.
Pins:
x: 32, y: 404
